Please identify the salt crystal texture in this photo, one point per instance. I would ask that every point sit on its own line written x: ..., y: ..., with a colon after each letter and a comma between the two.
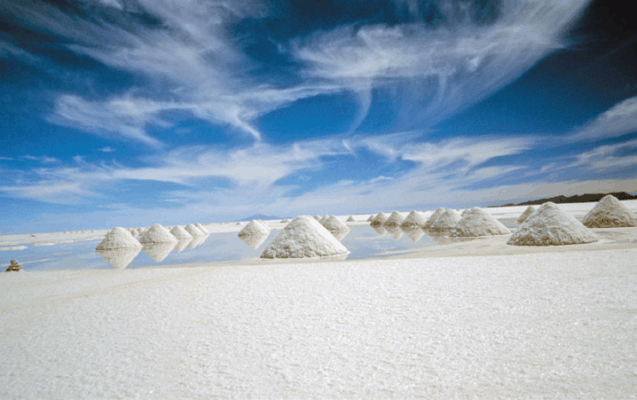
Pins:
x: 394, y: 220
x: 304, y: 237
x: 158, y: 234
x: 527, y: 213
x: 447, y: 220
x: 414, y: 220
x: 202, y: 228
x: 379, y: 219
x: 118, y: 238
x: 193, y: 230
x: 434, y: 217
x: 254, y: 228
x: 609, y: 213
x: 550, y: 226
x: 477, y: 222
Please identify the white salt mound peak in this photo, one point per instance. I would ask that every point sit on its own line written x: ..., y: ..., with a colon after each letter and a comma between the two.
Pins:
x: 447, y: 220
x: 193, y: 230
x: 350, y: 219
x: 254, y: 228
x: 304, y: 237
x: 477, y: 222
x: 394, y: 220
x: 157, y: 234
x: 434, y: 217
x: 379, y: 219
x: 180, y: 233
x: 609, y: 213
x: 202, y: 228
x: 118, y: 238
x: 550, y: 226
x: 266, y: 226
x: 334, y: 224
x: 527, y: 213
x: 414, y: 220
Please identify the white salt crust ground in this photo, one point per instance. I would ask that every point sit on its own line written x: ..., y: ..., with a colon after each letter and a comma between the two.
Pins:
x: 551, y: 325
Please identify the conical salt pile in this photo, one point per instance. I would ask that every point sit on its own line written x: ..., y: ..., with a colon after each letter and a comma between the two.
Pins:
x: 118, y: 238
x: 350, y: 219
x: 254, y: 228
x: 434, y: 217
x: 379, y: 220
x: 325, y: 217
x: 371, y: 218
x: 414, y: 220
x: 336, y: 226
x: 317, y: 217
x: 266, y: 226
x: 394, y: 220
x: 202, y: 228
x: 193, y: 230
x: 609, y: 213
x: 304, y: 237
x: 181, y: 234
x: 527, y: 213
x: 157, y: 234
x: 477, y: 222
x: 447, y: 220
x: 550, y: 226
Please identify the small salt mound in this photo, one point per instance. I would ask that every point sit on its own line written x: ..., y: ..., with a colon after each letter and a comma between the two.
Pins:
x: 335, y: 225
x: 477, y: 222
x: 434, y: 217
x: 325, y: 217
x: 527, y: 213
x: 158, y: 251
x: 157, y: 234
x: 394, y: 220
x: 202, y: 228
x: 550, y: 226
x: 414, y: 220
x: 193, y: 230
x: 119, y: 258
x: 447, y: 220
x: 350, y: 219
x: 118, y: 238
x: 380, y: 219
x: 371, y: 218
x: 609, y: 213
x: 254, y: 228
x: 304, y: 237
x: 180, y: 233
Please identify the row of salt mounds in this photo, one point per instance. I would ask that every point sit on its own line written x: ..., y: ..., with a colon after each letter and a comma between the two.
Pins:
x: 414, y: 220
x: 447, y: 220
x: 304, y: 237
x: 394, y: 220
x: 193, y: 230
x: 254, y: 228
x: 336, y: 227
x: 118, y: 238
x: 527, y: 213
x: 379, y: 219
x: 202, y: 228
x: 180, y: 233
x: 550, y: 226
x: 477, y: 222
x: 157, y: 234
x: 433, y: 217
x: 609, y: 213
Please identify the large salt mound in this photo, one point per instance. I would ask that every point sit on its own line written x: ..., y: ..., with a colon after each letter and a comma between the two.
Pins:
x: 434, y: 217
x: 550, y: 226
x: 254, y: 228
x: 193, y: 230
x: 118, y: 238
x: 609, y: 213
x: 379, y: 219
x: 394, y: 220
x: 304, y: 237
x: 527, y: 213
x: 414, y: 220
x: 157, y: 234
x: 180, y: 233
x: 477, y: 222
x: 447, y: 220
x: 202, y: 228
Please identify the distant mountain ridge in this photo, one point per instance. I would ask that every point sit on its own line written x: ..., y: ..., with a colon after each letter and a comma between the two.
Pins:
x: 580, y: 198
x: 260, y: 216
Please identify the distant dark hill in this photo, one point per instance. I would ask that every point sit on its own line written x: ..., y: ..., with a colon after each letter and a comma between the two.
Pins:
x: 580, y: 198
x: 260, y: 216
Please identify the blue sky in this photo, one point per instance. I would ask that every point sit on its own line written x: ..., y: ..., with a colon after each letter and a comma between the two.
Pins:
x: 132, y: 112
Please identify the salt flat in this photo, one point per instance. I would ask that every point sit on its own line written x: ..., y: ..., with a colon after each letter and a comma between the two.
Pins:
x: 546, y: 325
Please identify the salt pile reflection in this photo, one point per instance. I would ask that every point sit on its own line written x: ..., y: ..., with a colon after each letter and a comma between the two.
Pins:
x: 158, y: 251
x: 254, y: 241
x: 119, y: 258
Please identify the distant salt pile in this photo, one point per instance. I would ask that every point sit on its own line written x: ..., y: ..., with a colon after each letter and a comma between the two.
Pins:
x: 336, y: 227
x: 317, y: 217
x: 193, y: 230
x: 379, y: 220
x: 202, y: 228
x: 434, y: 217
x: 157, y: 234
x: 527, y: 213
x: 350, y: 219
x: 550, y: 226
x: 285, y: 221
x: 325, y: 217
x: 254, y: 228
x: 304, y: 237
x: 14, y: 266
x: 118, y: 238
x: 414, y: 220
x: 180, y: 233
x: 371, y: 218
x: 477, y: 222
x: 609, y: 213
x: 447, y: 220
x: 394, y: 220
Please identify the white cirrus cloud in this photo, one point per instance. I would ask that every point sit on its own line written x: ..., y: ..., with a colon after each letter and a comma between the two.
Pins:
x: 619, y: 120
